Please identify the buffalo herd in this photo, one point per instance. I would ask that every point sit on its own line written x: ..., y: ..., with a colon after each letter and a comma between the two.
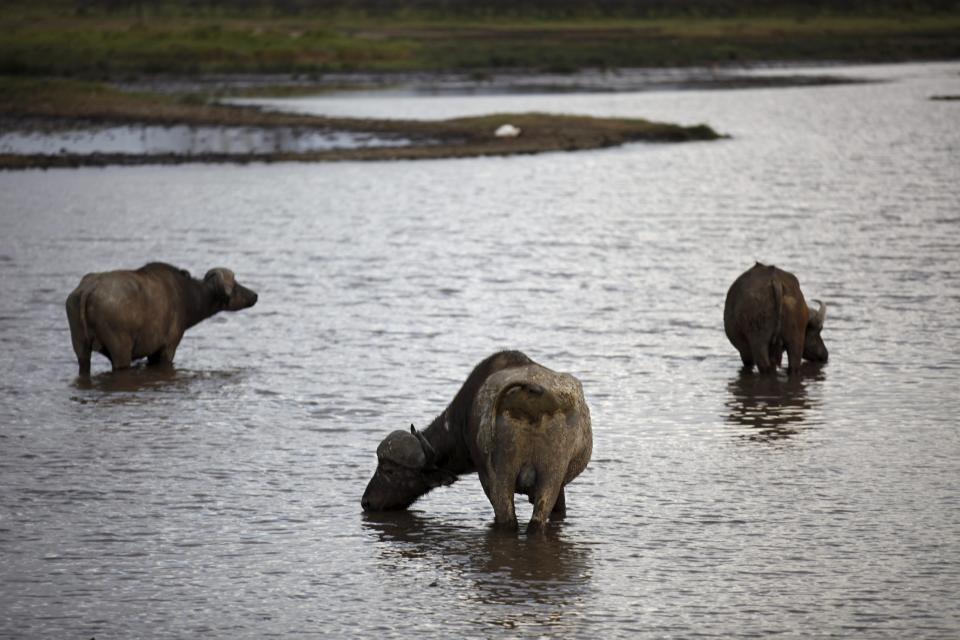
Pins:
x: 523, y: 428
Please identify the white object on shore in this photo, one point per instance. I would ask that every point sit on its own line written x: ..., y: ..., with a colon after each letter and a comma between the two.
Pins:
x: 507, y: 131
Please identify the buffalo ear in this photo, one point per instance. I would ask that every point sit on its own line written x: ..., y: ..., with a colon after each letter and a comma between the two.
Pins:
x: 447, y: 478
x: 440, y: 478
x: 222, y: 280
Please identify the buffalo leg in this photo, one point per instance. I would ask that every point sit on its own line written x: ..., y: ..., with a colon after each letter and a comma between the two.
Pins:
x: 747, y: 359
x: 163, y: 356
x: 82, y: 346
x: 501, y: 498
x: 559, y: 507
x: 776, y: 354
x: 760, y: 352
x: 547, y: 495
x: 505, y: 515
x: 794, y: 358
x: 120, y: 351
x: 83, y: 349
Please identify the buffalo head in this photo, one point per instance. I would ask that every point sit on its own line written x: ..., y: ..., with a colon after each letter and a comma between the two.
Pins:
x: 813, y: 348
x: 230, y: 293
x: 406, y: 469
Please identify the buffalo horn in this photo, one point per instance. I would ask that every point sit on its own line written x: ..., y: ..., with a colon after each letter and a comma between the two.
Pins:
x: 428, y: 449
x: 821, y: 314
x: 403, y: 449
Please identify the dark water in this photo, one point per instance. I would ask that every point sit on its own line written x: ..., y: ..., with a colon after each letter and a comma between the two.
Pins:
x: 221, y: 497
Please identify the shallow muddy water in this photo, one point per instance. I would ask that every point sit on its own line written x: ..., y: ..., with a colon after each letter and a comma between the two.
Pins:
x: 222, y: 497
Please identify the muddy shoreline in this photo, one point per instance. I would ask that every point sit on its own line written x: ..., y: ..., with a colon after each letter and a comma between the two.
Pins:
x: 517, y: 81
x: 44, y: 106
x: 459, y: 138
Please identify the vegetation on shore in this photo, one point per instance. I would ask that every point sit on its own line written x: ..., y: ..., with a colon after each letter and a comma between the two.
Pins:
x: 123, y: 38
x: 38, y: 105
x: 55, y: 53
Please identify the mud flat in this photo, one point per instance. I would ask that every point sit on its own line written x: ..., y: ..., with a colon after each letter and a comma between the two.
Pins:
x: 58, y: 123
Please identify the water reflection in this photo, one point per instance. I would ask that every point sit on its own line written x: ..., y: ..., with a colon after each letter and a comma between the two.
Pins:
x: 503, y: 568
x: 191, y: 140
x: 772, y: 407
x: 153, y: 377
x: 221, y: 496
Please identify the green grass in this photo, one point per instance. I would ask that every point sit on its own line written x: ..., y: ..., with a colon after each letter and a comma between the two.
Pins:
x: 117, y: 47
x: 39, y: 40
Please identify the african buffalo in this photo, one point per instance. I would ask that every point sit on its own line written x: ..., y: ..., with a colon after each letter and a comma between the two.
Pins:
x: 126, y: 315
x: 522, y: 427
x: 765, y: 314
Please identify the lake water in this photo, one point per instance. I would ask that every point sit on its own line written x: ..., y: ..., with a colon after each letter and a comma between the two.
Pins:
x: 222, y: 498
x: 188, y: 140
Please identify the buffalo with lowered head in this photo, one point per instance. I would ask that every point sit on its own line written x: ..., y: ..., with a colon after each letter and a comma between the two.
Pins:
x: 126, y: 315
x: 522, y: 427
x: 766, y: 314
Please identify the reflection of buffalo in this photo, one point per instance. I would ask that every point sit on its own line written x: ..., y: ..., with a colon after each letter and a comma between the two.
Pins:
x: 501, y: 568
x: 772, y: 407
x: 140, y: 380
x: 127, y: 315
x: 524, y: 429
x: 765, y: 313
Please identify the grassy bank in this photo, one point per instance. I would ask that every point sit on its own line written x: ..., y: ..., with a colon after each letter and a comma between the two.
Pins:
x: 51, y: 38
x: 39, y: 105
x: 54, y: 53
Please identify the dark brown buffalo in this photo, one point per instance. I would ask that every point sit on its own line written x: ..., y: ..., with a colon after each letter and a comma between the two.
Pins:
x: 126, y: 315
x: 765, y: 314
x: 524, y: 428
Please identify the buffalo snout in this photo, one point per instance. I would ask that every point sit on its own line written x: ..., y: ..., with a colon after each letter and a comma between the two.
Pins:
x: 241, y: 298
x: 814, y: 350
x: 393, y: 487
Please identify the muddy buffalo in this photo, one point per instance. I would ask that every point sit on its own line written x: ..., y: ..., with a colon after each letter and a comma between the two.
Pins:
x: 126, y: 315
x: 522, y: 427
x: 766, y: 314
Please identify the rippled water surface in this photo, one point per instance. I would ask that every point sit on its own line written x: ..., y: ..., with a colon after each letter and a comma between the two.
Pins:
x: 220, y: 498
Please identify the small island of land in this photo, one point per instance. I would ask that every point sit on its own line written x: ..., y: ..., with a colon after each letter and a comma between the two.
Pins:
x: 49, y: 106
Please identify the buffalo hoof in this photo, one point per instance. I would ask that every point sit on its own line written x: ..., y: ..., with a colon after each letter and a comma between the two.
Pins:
x: 536, y: 527
x: 506, y: 525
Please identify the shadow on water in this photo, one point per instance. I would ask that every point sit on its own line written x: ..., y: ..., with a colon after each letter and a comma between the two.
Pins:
x: 502, y: 567
x: 774, y: 408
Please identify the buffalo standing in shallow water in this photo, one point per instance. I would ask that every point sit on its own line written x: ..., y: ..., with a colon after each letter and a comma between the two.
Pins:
x: 126, y: 315
x: 522, y: 427
x: 765, y: 314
